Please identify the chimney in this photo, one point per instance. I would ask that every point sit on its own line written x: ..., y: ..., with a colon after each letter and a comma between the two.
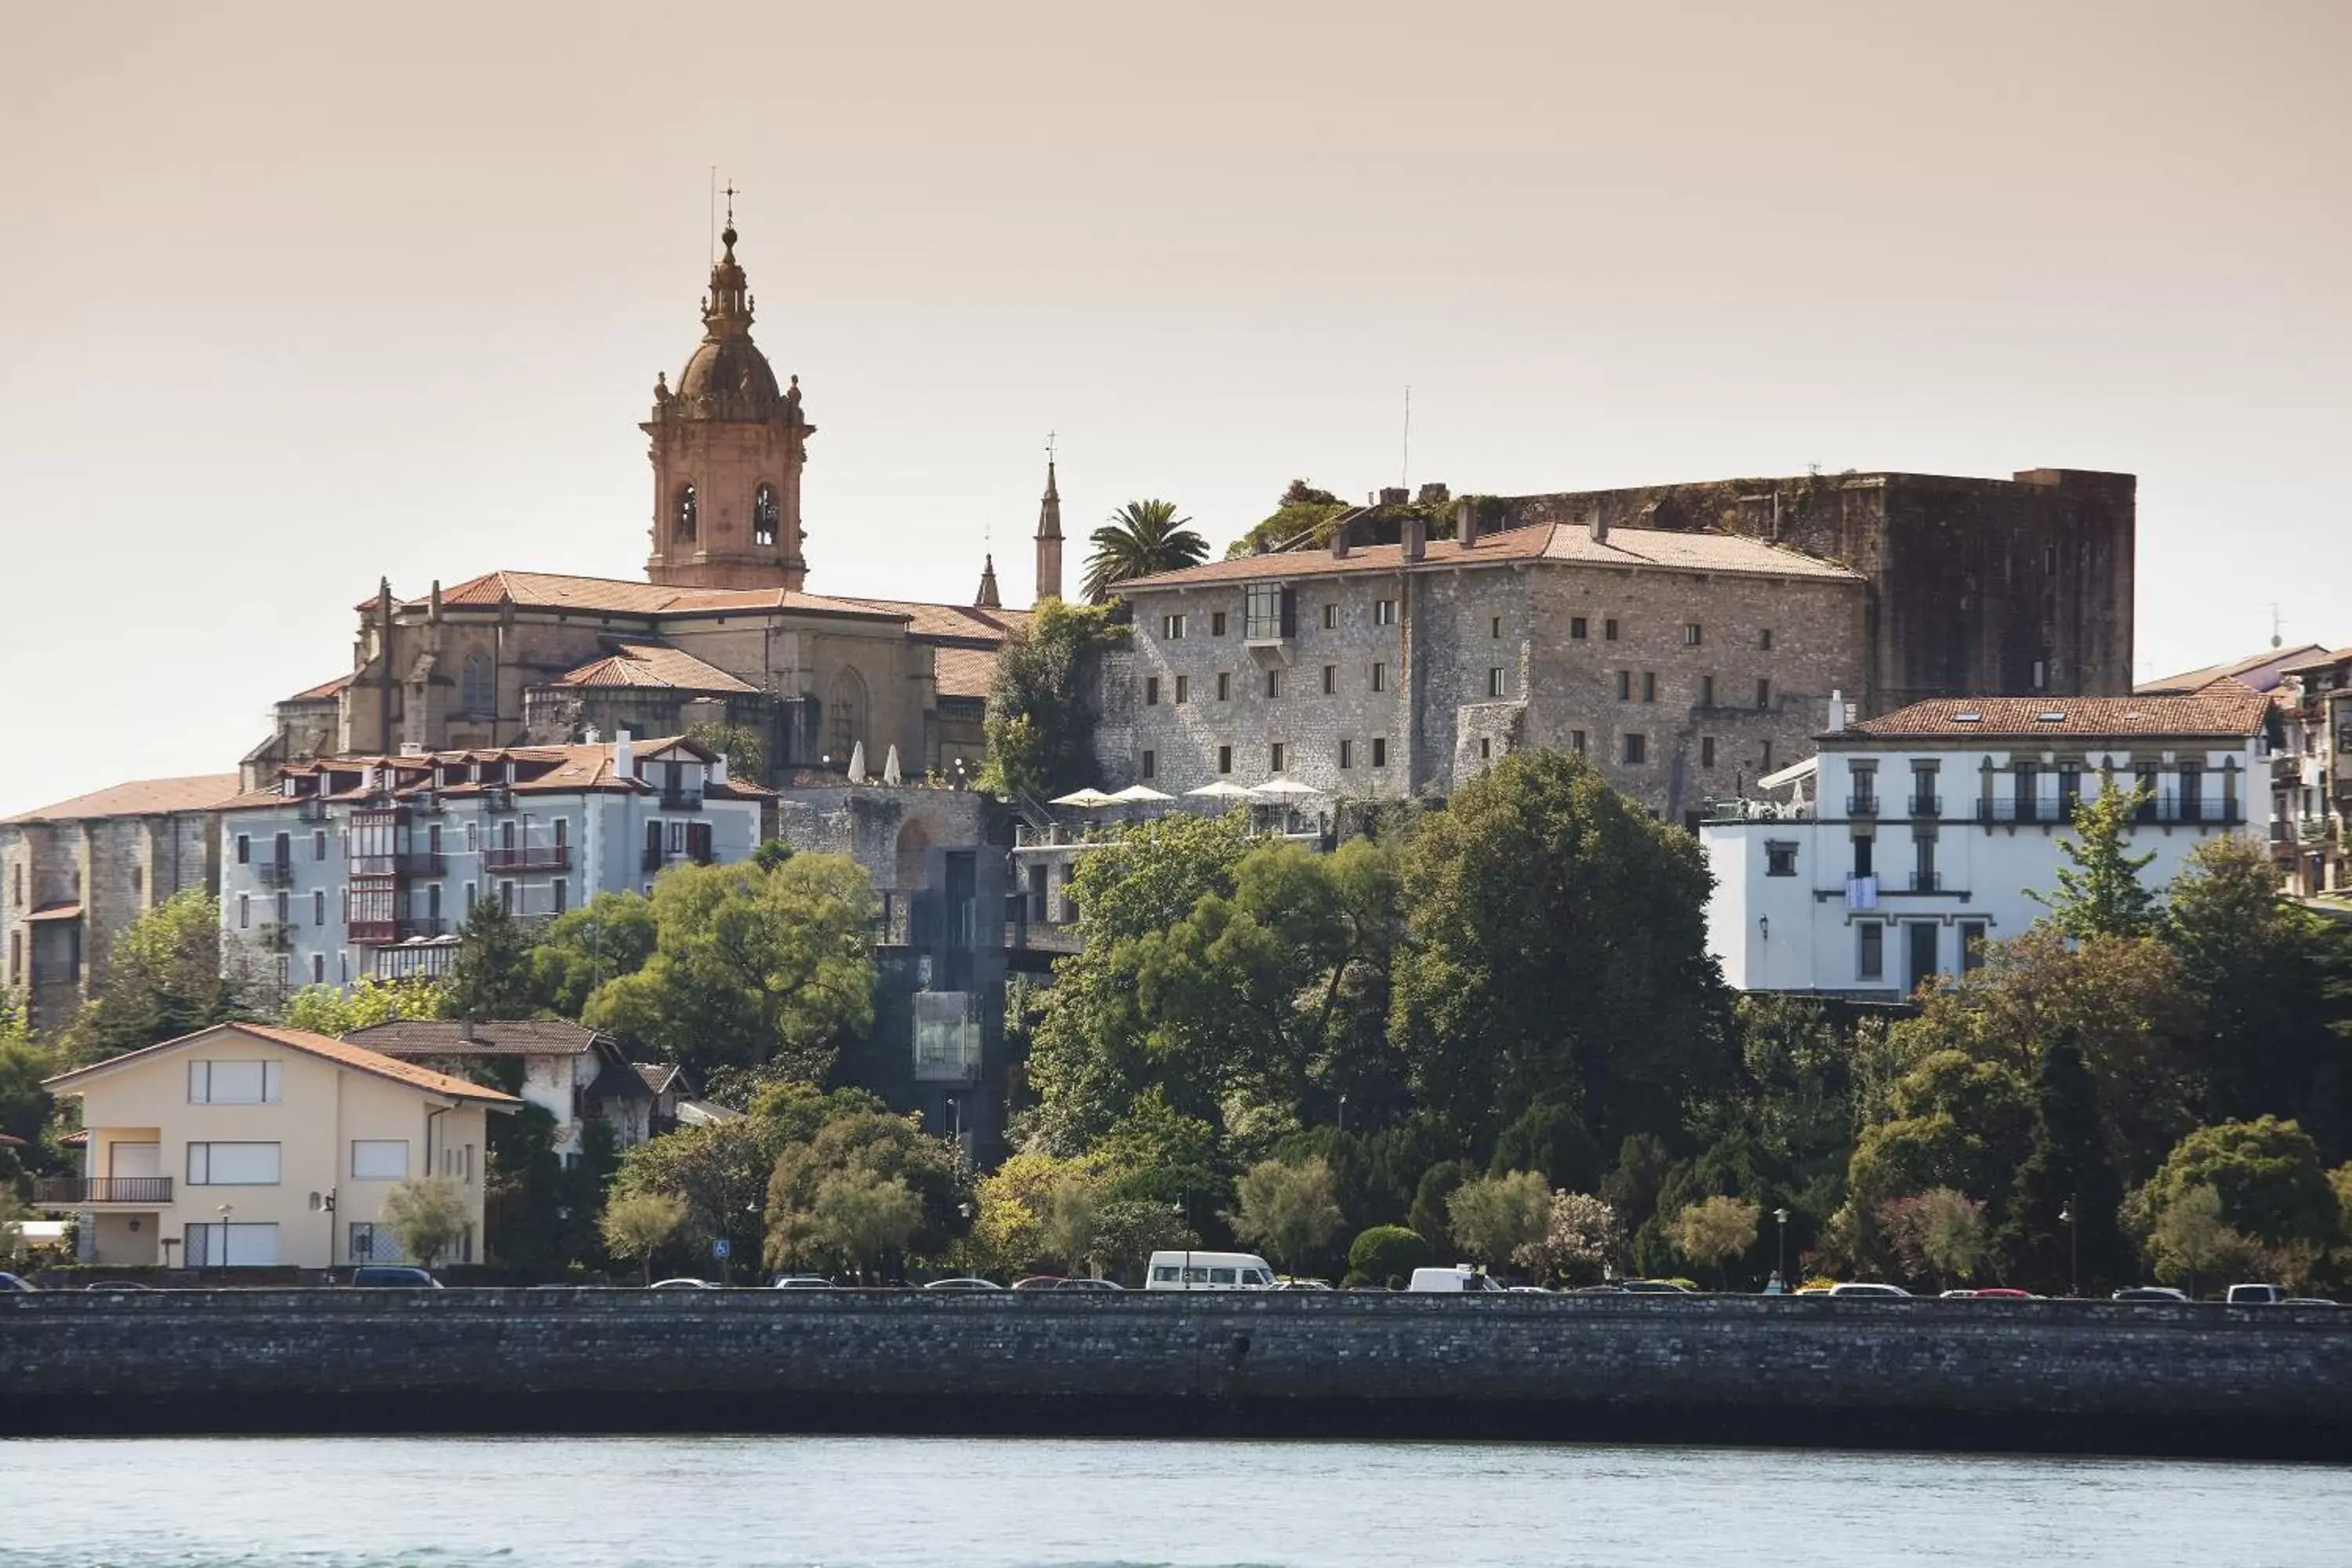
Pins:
x: 1394, y: 495
x: 624, y: 756
x: 466, y: 1028
x: 1340, y: 539
x: 1435, y: 493
x: 1465, y: 523
x: 719, y: 769
x: 1600, y: 526
x: 1837, y: 713
x: 1415, y: 539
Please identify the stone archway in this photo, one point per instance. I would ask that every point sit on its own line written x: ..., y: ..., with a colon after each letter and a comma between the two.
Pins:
x: 911, y: 869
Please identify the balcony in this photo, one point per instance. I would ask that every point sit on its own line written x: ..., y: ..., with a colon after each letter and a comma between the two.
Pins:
x: 312, y: 809
x: 1926, y: 881
x: 74, y: 1191
x: 681, y: 800
x: 545, y: 857
x: 275, y: 936
x: 2171, y: 811
x: 375, y: 933
x: 419, y: 863
x: 1861, y: 806
x: 1926, y: 805
x: 2028, y: 810
x: 2312, y: 830
x: 274, y: 873
x: 423, y: 929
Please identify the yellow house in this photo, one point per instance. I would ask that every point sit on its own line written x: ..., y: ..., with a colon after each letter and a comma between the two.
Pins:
x: 248, y: 1145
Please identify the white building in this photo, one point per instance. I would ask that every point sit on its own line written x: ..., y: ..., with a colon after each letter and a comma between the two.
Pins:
x: 1911, y: 838
x: 351, y: 867
x: 577, y: 1075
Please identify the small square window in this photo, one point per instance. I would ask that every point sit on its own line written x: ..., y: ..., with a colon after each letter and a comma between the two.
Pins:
x: 1706, y: 692
x: 1495, y: 628
x: 1183, y: 688
x: 1637, y: 748
x: 1763, y: 694
x: 1225, y: 759
x: 1216, y: 622
x: 1485, y: 748
x: 1225, y: 686
x: 1609, y: 630
x: 1577, y: 629
x: 1330, y: 679
x: 1274, y: 757
x: 1576, y: 742
x: 1379, y: 678
x: 318, y: 845
x: 1495, y: 681
x: 1764, y: 639
x: 1346, y: 755
x: 1690, y: 634
x: 1625, y: 686
x: 1384, y: 612
x: 1150, y: 764
x: 1779, y: 859
x: 1707, y: 752
x: 1152, y: 691
x: 1172, y: 627
x: 1274, y: 681
x: 1649, y: 686
x: 1380, y: 751
x: 1330, y: 616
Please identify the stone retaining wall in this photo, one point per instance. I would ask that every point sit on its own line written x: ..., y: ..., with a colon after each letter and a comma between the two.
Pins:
x: 2037, y: 1375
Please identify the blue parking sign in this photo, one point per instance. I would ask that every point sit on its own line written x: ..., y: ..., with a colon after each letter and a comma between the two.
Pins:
x: 721, y: 1247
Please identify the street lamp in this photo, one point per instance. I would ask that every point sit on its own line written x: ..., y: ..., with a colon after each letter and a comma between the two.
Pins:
x: 1782, y: 1272
x: 2073, y: 1249
x: 1343, y: 1113
x: 1177, y: 1208
x: 226, y: 1210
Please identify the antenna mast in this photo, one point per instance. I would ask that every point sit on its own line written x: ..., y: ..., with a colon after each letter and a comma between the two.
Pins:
x: 1404, y: 474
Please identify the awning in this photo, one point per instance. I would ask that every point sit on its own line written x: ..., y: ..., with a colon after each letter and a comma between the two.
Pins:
x: 56, y: 912
x: 1790, y: 775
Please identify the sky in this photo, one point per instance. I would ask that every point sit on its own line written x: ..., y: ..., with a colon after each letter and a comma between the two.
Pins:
x: 294, y: 297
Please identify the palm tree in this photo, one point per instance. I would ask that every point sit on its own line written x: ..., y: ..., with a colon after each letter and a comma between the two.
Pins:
x: 1141, y: 538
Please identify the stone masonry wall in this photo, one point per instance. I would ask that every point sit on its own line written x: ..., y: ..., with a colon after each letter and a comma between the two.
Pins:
x: 2048, y: 1375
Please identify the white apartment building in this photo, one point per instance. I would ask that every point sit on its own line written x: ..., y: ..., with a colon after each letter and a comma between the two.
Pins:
x: 1910, y: 839
x: 352, y: 867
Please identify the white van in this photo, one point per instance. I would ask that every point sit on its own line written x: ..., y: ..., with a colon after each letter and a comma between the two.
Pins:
x: 1454, y: 1282
x: 1207, y: 1271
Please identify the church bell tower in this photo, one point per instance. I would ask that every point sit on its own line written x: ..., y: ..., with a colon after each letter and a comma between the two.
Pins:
x: 726, y: 452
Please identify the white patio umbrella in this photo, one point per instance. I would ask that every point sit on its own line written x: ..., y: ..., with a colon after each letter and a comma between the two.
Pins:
x: 1140, y: 795
x: 858, y: 762
x: 890, y: 765
x: 1085, y: 799
x: 1282, y: 789
x: 1220, y: 790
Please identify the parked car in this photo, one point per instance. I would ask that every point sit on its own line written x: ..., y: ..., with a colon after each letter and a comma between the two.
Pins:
x: 1195, y: 1270
x: 1296, y: 1284
x: 1528, y: 1290
x: 392, y: 1277
x: 2256, y: 1296
x: 116, y: 1285
x: 2149, y: 1293
x: 1038, y: 1282
x: 1958, y: 1296
x: 1090, y: 1285
x: 2004, y: 1293
x: 1871, y: 1288
x: 2309, y: 1301
x: 802, y: 1282
x: 684, y: 1282
x: 1459, y: 1280
x: 1653, y: 1287
x: 10, y: 1285
x: 968, y: 1283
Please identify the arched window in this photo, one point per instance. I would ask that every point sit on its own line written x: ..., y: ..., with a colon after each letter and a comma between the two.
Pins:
x: 845, y: 714
x: 686, y: 513
x: 478, y: 688
x: 763, y: 516
x: 914, y: 845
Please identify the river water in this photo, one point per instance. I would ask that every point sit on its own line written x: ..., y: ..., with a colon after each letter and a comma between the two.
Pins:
x: 594, y: 1503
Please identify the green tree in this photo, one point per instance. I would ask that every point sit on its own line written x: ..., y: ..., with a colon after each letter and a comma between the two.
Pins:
x: 162, y: 978
x: 1387, y: 1254
x: 522, y: 1194
x: 1957, y: 1123
x: 2066, y: 1172
x: 1940, y: 1233
x: 2267, y: 1173
x: 612, y: 934
x: 750, y: 968
x: 2192, y: 1239
x: 1430, y: 1214
x: 639, y: 1224
x: 856, y: 1218
x: 1010, y: 1203
x: 1069, y: 1231
x: 1038, y: 724
x: 746, y: 756
x: 2099, y: 890
x: 328, y: 1010
x: 718, y: 1171
x: 14, y: 1212
x: 1557, y: 952
x: 1128, y: 1231
x: 1717, y: 1230
x: 24, y: 1105
x: 1143, y: 538
x: 491, y: 975
x: 426, y: 1215
x: 1494, y: 1216
x: 822, y: 1136
x: 1291, y: 1212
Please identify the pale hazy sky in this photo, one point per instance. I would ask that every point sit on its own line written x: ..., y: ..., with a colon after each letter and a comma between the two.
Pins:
x: 294, y: 295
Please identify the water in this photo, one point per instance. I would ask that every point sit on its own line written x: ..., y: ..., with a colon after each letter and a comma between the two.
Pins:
x: 861, y: 1502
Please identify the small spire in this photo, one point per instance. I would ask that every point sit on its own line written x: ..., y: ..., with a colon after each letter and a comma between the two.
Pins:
x: 988, y: 599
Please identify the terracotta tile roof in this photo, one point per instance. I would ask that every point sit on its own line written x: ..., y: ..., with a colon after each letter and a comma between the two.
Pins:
x: 1646, y: 548
x: 321, y: 691
x: 68, y: 910
x: 653, y: 663
x: 965, y: 671
x: 2225, y: 710
x: 659, y: 1077
x: 2260, y: 671
x: 341, y: 1053
x: 551, y: 769
x: 555, y: 591
x: 141, y: 797
x: 961, y: 623
x: 496, y: 1038
x: 2316, y: 658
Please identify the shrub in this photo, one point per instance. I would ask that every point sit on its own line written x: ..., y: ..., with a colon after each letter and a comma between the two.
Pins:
x: 1388, y: 1250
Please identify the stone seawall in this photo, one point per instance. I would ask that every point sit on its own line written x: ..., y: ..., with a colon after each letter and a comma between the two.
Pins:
x: 2273, y: 1382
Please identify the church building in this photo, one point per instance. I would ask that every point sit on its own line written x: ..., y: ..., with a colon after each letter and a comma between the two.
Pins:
x: 723, y: 629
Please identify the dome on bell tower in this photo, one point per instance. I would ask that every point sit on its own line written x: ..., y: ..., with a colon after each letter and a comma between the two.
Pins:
x: 728, y: 447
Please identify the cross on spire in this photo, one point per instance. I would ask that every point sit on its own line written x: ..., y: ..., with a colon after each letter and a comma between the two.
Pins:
x: 1049, y: 446
x: 730, y: 203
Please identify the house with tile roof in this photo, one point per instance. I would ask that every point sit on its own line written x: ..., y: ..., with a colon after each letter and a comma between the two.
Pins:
x: 576, y: 1074
x: 1905, y: 842
x: 2312, y: 836
x: 722, y: 629
x: 250, y: 1145
x: 348, y: 867
x: 73, y: 875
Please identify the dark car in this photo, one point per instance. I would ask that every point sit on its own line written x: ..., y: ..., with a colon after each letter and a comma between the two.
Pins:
x: 802, y: 1282
x: 1653, y: 1287
x: 965, y: 1283
x: 1088, y: 1285
x: 10, y: 1285
x: 116, y: 1285
x: 392, y: 1277
x: 2150, y: 1293
x: 1040, y: 1282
